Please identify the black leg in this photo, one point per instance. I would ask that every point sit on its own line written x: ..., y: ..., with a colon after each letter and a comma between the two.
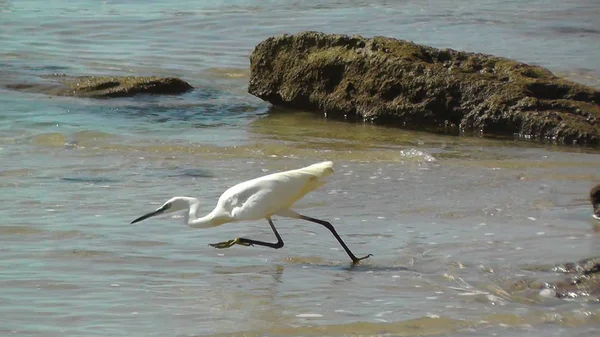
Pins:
x: 333, y: 231
x: 250, y: 242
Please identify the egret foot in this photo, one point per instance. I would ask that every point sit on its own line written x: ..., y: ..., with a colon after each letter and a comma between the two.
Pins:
x: 357, y: 261
x: 227, y: 244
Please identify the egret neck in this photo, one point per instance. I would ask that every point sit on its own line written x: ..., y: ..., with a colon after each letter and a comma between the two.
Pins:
x: 212, y: 219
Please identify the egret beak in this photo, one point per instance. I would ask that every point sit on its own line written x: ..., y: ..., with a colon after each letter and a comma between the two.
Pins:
x: 151, y: 214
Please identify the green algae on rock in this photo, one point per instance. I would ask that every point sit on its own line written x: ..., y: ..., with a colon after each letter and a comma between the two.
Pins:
x: 127, y: 86
x: 395, y: 82
x: 107, y: 86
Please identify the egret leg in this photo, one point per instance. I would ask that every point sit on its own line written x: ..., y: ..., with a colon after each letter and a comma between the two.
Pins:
x: 329, y: 226
x: 250, y: 242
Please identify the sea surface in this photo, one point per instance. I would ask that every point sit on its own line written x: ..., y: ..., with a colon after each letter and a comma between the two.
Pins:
x: 453, y: 222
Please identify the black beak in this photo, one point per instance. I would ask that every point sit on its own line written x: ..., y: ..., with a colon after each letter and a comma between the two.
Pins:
x: 151, y: 214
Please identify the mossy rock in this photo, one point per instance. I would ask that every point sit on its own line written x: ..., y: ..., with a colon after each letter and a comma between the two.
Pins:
x: 396, y: 82
x: 106, y: 86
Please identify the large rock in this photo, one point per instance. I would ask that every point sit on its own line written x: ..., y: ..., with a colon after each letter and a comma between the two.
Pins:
x: 396, y: 82
x: 105, y: 86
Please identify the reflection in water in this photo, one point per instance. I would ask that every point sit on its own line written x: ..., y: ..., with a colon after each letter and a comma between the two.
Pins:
x: 275, y: 271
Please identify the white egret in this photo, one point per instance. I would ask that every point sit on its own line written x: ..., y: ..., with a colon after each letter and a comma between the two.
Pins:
x: 259, y: 198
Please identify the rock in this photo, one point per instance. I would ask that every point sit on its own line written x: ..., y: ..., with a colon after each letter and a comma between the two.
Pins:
x: 585, y: 279
x: 106, y: 86
x: 595, y: 200
x: 397, y: 82
x: 583, y: 267
x: 582, y: 281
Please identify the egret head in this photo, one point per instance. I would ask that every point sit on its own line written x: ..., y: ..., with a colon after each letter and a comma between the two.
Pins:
x: 172, y: 205
x: 595, y: 200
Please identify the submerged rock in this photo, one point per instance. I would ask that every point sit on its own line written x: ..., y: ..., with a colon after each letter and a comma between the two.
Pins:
x: 106, y: 86
x: 397, y: 82
x: 584, y: 280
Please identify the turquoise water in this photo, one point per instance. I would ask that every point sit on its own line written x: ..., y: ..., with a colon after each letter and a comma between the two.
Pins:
x: 451, y: 220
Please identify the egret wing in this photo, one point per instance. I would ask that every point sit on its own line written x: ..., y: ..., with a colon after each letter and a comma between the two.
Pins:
x: 264, y: 196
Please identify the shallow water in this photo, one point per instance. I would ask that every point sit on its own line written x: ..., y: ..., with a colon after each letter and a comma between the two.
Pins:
x: 452, y: 221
